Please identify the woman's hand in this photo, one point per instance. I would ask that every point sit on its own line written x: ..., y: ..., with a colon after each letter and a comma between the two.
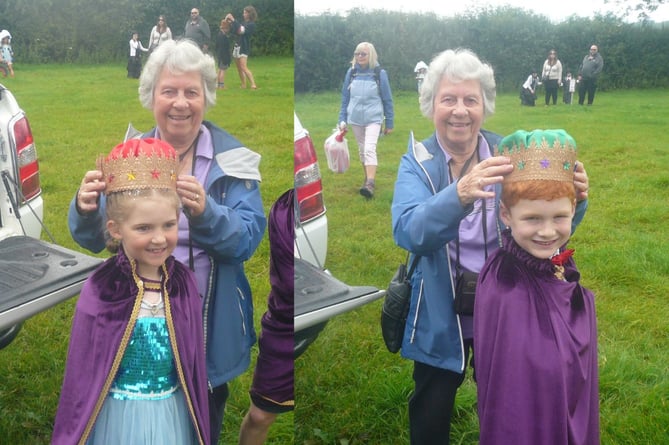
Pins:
x: 475, y: 184
x: 581, y: 182
x: 88, y: 195
x: 192, y: 194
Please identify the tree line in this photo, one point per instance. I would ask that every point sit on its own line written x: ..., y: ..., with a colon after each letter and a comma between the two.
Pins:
x: 98, y: 31
x: 514, y: 41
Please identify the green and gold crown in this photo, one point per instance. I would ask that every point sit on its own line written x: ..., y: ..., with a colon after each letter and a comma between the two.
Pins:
x: 139, y: 164
x: 539, y: 155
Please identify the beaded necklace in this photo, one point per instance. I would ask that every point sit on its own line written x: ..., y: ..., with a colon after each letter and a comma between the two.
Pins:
x: 152, y: 285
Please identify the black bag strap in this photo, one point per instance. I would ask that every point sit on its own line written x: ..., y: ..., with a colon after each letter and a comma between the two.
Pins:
x: 412, y: 266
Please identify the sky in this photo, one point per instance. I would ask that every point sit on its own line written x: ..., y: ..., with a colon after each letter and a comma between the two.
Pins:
x: 554, y: 10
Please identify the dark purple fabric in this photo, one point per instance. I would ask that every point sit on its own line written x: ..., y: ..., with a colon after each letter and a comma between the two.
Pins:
x: 273, y: 377
x: 102, y: 314
x: 535, y: 349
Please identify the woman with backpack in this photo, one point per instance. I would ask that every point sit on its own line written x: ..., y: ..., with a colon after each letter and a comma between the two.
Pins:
x: 366, y: 103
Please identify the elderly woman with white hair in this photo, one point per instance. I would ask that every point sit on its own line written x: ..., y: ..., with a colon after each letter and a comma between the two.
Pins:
x: 223, y: 220
x: 445, y: 212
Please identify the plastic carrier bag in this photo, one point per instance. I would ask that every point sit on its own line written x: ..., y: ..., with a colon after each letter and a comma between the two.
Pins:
x: 336, y: 151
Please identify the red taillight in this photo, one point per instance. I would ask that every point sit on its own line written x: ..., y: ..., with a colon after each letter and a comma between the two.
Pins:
x: 27, y: 159
x: 308, y: 180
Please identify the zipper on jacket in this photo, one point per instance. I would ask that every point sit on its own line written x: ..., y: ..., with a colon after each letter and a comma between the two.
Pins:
x: 205, y: 314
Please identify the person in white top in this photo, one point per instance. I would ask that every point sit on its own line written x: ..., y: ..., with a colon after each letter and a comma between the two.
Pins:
x: 135, y: 56
x: 551, y: 76
x: 159, y: 33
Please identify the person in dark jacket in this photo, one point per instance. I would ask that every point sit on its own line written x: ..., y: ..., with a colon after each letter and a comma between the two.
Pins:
x: 591, y: 68
x: 197, y: 29
x: 223, y: 54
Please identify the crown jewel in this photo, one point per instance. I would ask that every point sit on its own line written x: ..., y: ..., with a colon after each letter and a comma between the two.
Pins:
x: 539, y: 154
x: 139, y: 164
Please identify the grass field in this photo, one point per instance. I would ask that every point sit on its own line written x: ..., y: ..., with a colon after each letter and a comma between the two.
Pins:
x: 78, y: 112
x: 352, y: 391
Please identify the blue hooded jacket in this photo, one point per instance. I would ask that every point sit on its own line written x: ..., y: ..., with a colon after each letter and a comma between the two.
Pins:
x: 365, y: 102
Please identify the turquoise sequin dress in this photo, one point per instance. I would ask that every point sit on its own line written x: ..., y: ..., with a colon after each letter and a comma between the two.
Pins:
x: 146, y: 404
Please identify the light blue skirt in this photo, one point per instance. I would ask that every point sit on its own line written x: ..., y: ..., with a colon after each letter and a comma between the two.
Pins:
x: 144, y: 422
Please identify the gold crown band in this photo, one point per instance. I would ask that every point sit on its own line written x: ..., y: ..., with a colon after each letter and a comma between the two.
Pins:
x: 540, y: 161
x: 139, y: 172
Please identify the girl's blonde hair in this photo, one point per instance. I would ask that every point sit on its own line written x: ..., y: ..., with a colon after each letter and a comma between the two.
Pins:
x: 120, y: 204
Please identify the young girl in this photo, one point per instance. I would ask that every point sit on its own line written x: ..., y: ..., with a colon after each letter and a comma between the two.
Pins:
x: 135, y: 368
x: 6, y: 53
x: 535, y: 332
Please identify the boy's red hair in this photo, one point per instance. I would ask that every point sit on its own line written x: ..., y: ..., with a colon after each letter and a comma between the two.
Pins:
x: 546, y: 190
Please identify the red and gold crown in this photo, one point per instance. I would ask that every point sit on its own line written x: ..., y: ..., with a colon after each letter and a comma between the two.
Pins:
x: 539, y: 154
x: 139, y: 164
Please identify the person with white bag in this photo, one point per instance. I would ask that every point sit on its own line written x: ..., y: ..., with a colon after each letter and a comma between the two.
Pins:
x: 366, y: 104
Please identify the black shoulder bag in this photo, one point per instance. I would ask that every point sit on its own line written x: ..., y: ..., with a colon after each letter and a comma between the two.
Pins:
x: 396, y: 305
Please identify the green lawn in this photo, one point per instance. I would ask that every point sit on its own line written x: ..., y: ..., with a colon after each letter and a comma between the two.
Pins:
x: 78, y: 112
x: 352, y: 391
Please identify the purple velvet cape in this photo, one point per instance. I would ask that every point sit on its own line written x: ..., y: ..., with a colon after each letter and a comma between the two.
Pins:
x: 101, y: 316
x: 535, y: 350
x: 273, y: 379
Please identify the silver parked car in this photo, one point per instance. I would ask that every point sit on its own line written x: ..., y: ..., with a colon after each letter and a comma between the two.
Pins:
x: 34, y: 275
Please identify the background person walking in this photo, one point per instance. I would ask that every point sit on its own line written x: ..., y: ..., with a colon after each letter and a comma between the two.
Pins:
x: 366, y: 102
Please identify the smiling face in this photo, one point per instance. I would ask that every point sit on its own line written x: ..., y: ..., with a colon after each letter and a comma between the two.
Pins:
x: 148, y: 231
x: 540, y: 227
x: 458, y: 113
x: 179, y: 107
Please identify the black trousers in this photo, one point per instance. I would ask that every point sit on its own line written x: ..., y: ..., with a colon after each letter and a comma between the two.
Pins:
x: 551, y: 86
x: 587, y: 86
x: 431, y: 403
x: 527, y: 97
x: 217, y: 400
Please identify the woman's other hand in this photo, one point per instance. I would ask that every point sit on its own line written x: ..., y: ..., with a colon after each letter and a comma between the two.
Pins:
x: 89, y: 192
x: 192, y: 194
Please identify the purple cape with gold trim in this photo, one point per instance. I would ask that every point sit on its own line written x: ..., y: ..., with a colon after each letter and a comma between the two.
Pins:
x: 535, y: 351
x: 101, y: 316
